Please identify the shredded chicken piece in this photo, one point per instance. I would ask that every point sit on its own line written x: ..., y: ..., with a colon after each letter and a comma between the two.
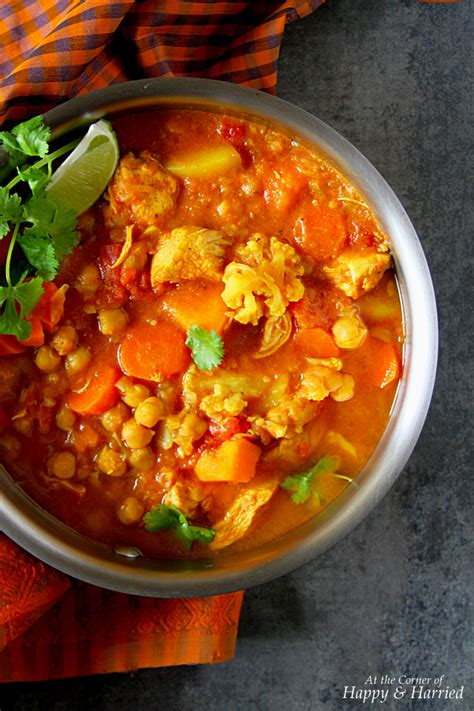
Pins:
x: 142, y: 190
x: 357, y: 272
x: 262, y: 280
x: 188, y: 253
x: 240, y: 515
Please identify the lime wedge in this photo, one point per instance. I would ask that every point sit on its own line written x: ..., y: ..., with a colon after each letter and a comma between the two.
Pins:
x: 86, y: 172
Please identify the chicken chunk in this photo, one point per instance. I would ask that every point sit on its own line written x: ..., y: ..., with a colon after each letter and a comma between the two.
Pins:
x: 241, y: 513
x: 357, y: 272
x: 186, y: 495
x: 142, y: 191
x: 188, y: 253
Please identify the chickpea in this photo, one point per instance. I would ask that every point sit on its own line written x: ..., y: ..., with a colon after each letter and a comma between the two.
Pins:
x: 113, y: 419
x: 64, y: 340
x: 124, y: 384
x: 135, y: 395
x: 112, y: 321
x: 130, y: 511
x: 65, y: 418
x: 136, y: 436
x: 141, y: 459
x: 46, y: 359
x: 346, y: 390
x: 111, y: 462
x: 149, y: 411
x: 77, y: 360
x: 88, y: 280
x: 62, y: 465
x: 349, y: 332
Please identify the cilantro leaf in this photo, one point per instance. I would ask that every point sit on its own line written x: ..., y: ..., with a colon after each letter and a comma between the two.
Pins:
x: 40, y: 253
x: 50, y: 221
x: 36, y: 178
x: 32, y: 137
x: 19, y: 301
x: 10, y: 144
x: 10, y: 210
x: 162, y: 517
x: 207, y: 348
x: 301, y: 485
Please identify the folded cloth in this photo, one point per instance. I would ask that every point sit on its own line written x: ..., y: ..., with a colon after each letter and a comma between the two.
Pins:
x: 51, y: 50
x: 94, y: 631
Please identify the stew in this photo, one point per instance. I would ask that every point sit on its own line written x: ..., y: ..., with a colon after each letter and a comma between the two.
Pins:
x: 217, y: 359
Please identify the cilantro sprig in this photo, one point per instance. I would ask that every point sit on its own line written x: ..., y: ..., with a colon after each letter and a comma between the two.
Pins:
x: 302, y: 485
x: 207, y: 348
x: 162, y: 517
x: 43, y: 230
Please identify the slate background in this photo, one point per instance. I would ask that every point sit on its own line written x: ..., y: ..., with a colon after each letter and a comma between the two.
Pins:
x: 394, y: 77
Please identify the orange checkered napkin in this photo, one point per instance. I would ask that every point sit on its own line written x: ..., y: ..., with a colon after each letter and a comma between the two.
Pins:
x: 51, y: 50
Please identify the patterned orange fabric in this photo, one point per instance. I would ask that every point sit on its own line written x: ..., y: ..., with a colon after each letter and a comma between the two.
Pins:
x: 95, y: 631
x: 51, y: 50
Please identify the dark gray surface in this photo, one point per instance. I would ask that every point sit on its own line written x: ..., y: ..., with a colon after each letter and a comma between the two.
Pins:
x: 393, y: 597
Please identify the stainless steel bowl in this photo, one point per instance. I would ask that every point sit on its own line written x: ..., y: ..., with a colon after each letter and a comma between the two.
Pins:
x: 49, y: 539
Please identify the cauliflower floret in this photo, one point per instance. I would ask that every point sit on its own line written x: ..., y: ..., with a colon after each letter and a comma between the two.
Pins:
x: 262, y: 280
x: 188, y: 253
x: 357, y: 272
x: 296, y: 408
x: 220, y: 395
x: 182, y: 430
x: 142, y: 191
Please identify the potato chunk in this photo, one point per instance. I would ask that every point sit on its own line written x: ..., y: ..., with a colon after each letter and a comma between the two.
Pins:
x: 357, y: 272
x: 142, y: 191
x: 188, y: 253
x: 206, y: 163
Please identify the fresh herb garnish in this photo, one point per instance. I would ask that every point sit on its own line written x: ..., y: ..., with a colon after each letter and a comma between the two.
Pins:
x: 44, y: 230
x: 207, y: 348
x: 161, y: 517
x: 301, y: 485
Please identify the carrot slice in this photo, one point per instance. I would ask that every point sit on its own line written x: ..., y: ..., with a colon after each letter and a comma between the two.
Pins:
x: 153, y: 351
x: 100, y: 392
x: 197, y: 301
x: 235, y: 460
x: 383, y: 365
x: 317, y: 343
x: 320, y: 231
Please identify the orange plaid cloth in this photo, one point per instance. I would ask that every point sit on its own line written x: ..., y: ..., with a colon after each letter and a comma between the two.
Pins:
x: 51, y: 50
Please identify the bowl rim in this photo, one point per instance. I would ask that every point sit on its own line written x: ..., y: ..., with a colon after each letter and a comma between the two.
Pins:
x: 55, y: 543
